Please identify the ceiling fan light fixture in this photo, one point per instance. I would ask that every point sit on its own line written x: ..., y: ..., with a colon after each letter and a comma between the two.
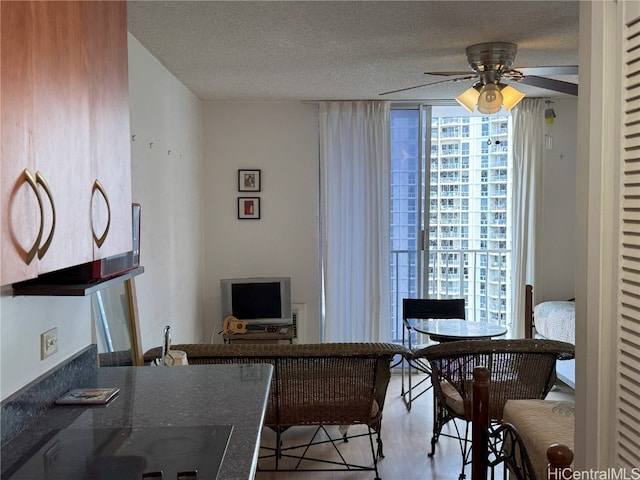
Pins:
x: 469, y: 98
x: 490, y: 99
x: 510, y: 97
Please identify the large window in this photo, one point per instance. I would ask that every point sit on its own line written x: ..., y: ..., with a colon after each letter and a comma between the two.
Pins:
x: 451, y: 211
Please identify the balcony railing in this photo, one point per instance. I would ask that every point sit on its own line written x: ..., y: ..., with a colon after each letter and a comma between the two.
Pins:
x: 454, y: 274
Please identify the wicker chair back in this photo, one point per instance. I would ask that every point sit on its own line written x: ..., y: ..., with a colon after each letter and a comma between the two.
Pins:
x: 313, y: 384
x: 518, y: 369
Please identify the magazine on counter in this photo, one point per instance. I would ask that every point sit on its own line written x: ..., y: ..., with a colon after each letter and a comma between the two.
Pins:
x: 90, y: 396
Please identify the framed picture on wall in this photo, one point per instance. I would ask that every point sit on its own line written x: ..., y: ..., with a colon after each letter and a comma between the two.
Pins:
x: 248, y: 208
x: 248, y: 180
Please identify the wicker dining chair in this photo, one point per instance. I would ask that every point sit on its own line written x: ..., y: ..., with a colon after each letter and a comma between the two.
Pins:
x: 519, y: 369
x: 422, y: 309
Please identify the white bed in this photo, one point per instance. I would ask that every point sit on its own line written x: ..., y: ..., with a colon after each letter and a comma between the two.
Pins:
x: 554, y: 320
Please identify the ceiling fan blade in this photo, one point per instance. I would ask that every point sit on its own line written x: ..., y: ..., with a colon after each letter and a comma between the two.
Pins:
x: 550, y: 84
x: 549, y: 70
x: 449, y: 74
x: 468, y: 77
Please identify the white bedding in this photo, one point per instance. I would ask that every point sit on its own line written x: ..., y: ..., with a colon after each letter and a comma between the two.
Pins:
x: 556, y: 320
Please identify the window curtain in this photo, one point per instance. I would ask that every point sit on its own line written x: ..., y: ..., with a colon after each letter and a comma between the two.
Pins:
x: 528, y: 151
x: 355, y: 156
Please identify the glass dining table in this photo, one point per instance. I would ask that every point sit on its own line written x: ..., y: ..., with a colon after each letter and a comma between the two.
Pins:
x: 447, y: 330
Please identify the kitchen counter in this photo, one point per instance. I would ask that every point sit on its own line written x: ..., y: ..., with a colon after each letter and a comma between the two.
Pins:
x: 194, y: 395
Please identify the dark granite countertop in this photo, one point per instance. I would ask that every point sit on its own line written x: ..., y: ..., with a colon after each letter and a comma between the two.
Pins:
x: 194, y: 395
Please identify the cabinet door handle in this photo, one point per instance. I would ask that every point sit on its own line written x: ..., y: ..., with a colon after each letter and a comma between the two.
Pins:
x: 40, y: 180
x: 32, y: 183
x: 100, y: 240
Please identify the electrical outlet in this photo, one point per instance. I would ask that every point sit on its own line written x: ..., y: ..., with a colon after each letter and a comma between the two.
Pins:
x: 48, y: 343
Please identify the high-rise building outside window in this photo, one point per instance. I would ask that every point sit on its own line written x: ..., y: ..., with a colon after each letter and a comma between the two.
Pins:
x: 451, y: 210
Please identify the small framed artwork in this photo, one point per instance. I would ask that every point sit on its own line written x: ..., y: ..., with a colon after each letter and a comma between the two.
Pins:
x: 248, y: 208
x: 248, y: 180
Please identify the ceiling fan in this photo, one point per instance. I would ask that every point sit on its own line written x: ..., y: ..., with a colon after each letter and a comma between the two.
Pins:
x: 491, y: 63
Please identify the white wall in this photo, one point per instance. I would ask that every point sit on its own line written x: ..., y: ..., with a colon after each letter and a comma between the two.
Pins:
x: 23, y: 319
x: 555, y: 261
x: 167, y: 181
x: 281, y: 139
x: 600, y: 417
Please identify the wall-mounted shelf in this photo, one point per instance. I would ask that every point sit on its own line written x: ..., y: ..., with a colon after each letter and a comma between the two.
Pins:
x: 35, y: 287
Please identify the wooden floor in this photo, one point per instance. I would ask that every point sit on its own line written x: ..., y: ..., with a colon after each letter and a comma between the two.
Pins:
x: 406, y: 436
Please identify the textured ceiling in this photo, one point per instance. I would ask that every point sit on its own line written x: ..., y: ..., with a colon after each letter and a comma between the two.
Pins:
x: 323, y: 50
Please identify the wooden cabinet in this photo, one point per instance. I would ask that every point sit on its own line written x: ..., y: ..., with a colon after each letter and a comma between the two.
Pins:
x: 65, y: 174
x: 106, y: 24
x: 18, y: 202
x: 60, y: 137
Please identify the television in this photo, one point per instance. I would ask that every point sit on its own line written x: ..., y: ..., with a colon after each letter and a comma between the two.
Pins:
x: 264, y: 300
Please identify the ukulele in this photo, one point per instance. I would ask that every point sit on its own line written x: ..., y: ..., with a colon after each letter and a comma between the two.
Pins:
x: 232, y: 326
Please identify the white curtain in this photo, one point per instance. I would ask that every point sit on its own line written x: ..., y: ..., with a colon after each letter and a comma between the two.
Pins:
x: 528, y: 151
x: 355, y: 157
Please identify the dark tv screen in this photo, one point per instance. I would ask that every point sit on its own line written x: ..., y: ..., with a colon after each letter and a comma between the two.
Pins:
x: 256, y: 300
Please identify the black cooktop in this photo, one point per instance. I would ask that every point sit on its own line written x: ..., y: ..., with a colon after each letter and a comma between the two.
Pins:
x: 125, y: 453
